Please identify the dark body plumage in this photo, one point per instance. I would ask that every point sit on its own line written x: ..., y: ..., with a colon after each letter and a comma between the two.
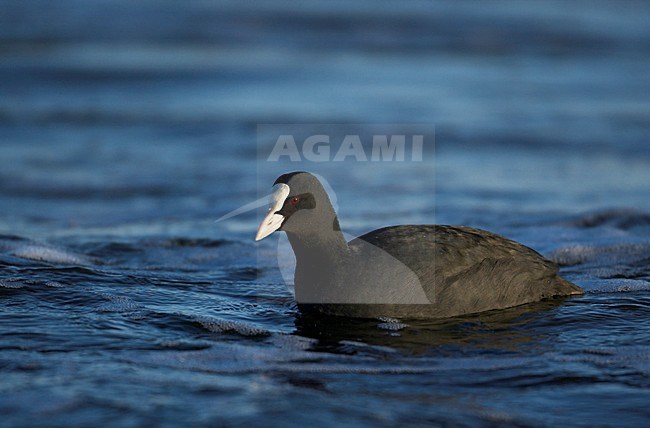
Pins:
x: 411, y: 271
x: 465, y: 270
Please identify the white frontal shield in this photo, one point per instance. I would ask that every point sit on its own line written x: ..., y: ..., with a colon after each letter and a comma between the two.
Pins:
x: 273, y: 221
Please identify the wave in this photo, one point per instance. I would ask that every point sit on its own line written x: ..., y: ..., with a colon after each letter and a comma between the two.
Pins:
x: 620, y: 218
x: 27, y: 249
x: 219, y: 325
x: 49, y: 254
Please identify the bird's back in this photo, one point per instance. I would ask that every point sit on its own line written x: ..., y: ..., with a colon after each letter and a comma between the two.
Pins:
x: 466, y: 270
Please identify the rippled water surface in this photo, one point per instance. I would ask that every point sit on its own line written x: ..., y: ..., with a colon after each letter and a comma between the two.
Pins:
x: 127, y: 128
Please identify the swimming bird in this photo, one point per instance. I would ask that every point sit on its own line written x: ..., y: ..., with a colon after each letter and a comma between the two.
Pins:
x: 408, y: 271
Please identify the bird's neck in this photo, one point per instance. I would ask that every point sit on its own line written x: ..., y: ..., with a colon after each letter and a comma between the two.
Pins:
x: 321, y: 248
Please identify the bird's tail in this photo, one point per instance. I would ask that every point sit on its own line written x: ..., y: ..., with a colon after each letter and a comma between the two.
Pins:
x: 562, y: 287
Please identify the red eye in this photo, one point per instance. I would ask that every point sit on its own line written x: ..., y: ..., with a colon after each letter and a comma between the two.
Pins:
x: 294, y: 201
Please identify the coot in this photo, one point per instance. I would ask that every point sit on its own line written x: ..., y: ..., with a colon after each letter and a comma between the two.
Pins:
x: 410, y: 271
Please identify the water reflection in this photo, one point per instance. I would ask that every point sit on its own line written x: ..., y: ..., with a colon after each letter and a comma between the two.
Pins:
x: 507, y: 330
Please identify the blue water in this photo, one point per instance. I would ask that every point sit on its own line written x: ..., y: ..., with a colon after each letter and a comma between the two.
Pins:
x: 128, y: 128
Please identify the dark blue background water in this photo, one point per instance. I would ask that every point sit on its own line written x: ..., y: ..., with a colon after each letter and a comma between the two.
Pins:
x: 127, y: 128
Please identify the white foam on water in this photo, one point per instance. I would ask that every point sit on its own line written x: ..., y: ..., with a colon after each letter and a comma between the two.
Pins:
x: 119, y: 304
x: 614, y: 285
x: 581, y: 253
x: 12, y: 283
x: 218, y: 325
x: 45, y: 253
